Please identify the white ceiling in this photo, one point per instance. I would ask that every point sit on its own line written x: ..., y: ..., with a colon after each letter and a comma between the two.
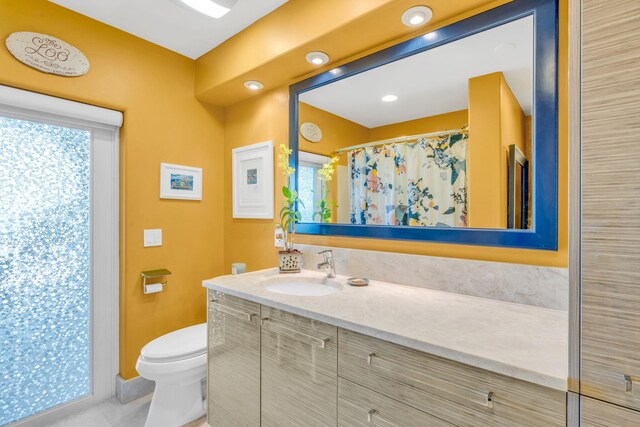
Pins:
x: 171, y: 24
x: 433, y: 82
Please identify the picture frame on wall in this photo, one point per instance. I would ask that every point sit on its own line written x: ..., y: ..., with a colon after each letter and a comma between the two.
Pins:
x: 252, y: 169
x: 180, y: 182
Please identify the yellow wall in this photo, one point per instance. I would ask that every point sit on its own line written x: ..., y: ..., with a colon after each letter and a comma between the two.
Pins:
x: 261, y: 118
x: 496, y: 121
x: 484, y: 196
x: 512, y: 131
x: 446, y: 121
x: 265, y: 118
x: 337, y: 132
x: 163, y: 122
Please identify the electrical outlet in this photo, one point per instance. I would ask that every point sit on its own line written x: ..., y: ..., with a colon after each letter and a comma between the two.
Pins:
x: 153, y: 237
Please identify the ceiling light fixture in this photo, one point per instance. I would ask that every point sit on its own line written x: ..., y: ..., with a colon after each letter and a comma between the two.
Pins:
x: 253, y: 84
x: 213, y: 8
x: 317, y: 58
x: 389, y: 98
x: 416, y: 16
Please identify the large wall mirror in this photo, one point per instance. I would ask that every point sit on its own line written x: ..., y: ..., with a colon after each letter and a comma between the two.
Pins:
x: 417, y: 141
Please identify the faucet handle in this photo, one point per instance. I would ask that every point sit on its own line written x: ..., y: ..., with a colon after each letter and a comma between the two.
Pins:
x: 327, y: 255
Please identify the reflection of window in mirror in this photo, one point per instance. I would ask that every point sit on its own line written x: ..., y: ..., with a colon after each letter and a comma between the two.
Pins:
x: 309, y: 184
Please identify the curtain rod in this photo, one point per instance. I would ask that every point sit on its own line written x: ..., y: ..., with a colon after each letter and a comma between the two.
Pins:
x: 401, y: 139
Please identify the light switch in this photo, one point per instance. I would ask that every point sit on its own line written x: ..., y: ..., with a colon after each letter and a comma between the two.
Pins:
x: 153, y: 237
x: 278, y: 238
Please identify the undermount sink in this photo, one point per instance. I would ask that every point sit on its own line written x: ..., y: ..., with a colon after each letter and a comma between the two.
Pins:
x: 303, y: 286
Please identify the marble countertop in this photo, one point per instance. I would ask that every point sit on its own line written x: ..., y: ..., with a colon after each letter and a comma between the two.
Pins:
x: 521, y: 341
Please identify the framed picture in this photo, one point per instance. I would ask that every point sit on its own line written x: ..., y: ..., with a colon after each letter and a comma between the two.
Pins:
x: 180, y: 182
x: 252, y: 168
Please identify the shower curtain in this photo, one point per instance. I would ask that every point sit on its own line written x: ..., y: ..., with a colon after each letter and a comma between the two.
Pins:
x: 417, y: 184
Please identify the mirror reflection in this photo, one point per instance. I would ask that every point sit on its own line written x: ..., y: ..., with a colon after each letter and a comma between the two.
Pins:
x: 424, y: 141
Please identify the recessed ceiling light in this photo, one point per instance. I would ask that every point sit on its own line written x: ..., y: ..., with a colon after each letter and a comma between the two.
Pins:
x: 317, y: 58
x: 212, y: 8
x: 389, y: 98
x: 253, y: 84
x: 416, y: 16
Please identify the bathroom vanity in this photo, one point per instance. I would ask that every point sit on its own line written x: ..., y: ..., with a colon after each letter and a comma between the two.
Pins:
x: 385, y: 354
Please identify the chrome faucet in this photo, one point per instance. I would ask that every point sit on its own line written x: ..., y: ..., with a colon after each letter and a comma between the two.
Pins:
x: 328, y: 263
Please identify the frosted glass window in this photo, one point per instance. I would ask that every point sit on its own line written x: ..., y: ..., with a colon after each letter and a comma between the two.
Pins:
x: 44, y: 267
x: 306, y: 192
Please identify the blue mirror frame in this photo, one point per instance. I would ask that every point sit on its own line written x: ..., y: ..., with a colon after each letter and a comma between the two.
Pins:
x: 544, y: 172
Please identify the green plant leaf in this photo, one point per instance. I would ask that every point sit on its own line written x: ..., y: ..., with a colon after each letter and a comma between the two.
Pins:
x: 286, y: 192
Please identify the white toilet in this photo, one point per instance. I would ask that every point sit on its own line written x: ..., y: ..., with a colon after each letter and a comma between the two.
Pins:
x: 177, y: 362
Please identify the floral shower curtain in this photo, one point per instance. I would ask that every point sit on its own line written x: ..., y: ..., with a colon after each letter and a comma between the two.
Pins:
x: 418, y: 184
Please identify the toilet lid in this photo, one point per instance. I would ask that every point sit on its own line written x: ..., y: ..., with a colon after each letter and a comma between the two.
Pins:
x: 177, y: 345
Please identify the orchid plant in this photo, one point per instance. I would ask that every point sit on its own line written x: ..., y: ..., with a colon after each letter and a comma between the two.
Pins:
x: 289, y: 215
x: 325, y: 174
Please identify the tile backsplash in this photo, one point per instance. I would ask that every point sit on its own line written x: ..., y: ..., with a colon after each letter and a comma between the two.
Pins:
x: 525, y: 284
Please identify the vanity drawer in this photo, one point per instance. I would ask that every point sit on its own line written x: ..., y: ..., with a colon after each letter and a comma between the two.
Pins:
x: 359, y: 406
x: 457, y: 393
x: 594, y: 413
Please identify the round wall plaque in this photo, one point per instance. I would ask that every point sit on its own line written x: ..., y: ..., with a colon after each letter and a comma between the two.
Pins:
x: 47, y: 54
x: 311, y: 132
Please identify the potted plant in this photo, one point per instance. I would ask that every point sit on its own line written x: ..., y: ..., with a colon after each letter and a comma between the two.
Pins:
x: 290, y: 259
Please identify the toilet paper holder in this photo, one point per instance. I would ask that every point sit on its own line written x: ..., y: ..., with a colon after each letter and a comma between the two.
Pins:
x: 152, y: 274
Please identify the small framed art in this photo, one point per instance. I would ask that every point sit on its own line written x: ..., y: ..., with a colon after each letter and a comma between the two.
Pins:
x: 180, y: 182
x: 253, y: 181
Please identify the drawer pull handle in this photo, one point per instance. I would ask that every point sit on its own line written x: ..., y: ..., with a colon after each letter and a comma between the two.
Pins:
x: 231, y: 311
x: 628, y: 383
x: 322, y: 342
x: 431, y: 381
x: 490, y: 400
x: 372, y: 416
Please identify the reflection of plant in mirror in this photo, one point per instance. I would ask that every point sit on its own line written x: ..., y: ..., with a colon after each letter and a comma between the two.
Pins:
x: 289, y: 215
x: 325, y: 174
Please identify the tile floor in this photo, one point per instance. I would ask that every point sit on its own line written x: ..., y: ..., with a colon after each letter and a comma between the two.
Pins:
x: 112, y: 413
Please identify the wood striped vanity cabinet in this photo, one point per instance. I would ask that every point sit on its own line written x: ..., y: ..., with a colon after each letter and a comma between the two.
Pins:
x: 270, y: 367
x: 610, y: 228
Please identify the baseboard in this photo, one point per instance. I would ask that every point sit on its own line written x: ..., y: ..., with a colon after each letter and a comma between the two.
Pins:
x: 130, y: 390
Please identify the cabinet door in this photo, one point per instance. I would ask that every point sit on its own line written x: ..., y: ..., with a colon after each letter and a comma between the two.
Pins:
x: 234, y: 361
x: 594, y: 413
x: 610, y: 355
x: 299, y: 370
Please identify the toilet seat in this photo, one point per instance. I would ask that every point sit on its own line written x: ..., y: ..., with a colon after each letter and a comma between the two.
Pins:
x: 153, y: 370
x: 176, y: 346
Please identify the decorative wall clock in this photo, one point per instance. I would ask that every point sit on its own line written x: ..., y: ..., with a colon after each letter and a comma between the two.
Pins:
x: 311, y: 132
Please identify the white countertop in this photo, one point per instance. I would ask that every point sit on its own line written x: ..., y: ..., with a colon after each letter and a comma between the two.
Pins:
x: 521, y: 341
